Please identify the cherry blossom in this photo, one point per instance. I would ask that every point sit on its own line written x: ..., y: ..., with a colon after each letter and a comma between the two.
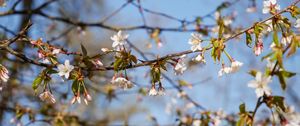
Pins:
x: 297, y: 24
x: 180, y: 66
x: 235, y: 66
x: 195, y: 41
x: 152, y: 91
x: 161, y: 91
x: 199, y: 58
x: 47, y: 96
x: 119, y: 40
x: 122, y: 83
x: 261, y: 84
x: 3, y: 74
x: 65, y: 69
x: 76, y: 98
x: 270, y: 5
x: 258, y: 47
x: 224, y: 70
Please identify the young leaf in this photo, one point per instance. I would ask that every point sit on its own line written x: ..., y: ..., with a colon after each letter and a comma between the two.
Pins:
x: 37, y: 81
x: 248, y: 39
x: 83, y: 49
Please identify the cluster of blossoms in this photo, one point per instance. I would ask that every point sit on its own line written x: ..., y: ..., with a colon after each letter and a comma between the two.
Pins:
x: 87, y: 98
x: 235, y: 66
x: 270, y: 6
x: 121, y: 82
x: 154, y: 92
x: 180, y: 66
x: 46, y: 52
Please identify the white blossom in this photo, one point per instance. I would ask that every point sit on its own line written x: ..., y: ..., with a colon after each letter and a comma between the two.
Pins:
x: 161, y: 91
x: 3, y: 74
x: 65, y: 69
x: 105, y: 50
x: 269, y: 5
x: 180, y: 66
x: 269, y: 25
x: 227, y: 21
x: 47, y: 96
x: 258, y: 48
x: 199, y: 58
x: 196, y: 122
x: 122, y: 83
x: 56, y: 51
x: 119, y: 40
x: 261, y: 84
x: 224, y: 70
x: 195, y: 41
x: 153, y: 92
x: 286, y: 40
x: 235, y: 66
x: 297, y: 24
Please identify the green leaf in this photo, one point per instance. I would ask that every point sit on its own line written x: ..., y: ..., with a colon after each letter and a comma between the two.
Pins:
x: 117, y: 63
x: 252, y: 73
x: 248, y: 39
x: 279, y: 102
x: 75, y: 86
x: 37, y: 81
x: 282, y: 80
x: 83, y: 49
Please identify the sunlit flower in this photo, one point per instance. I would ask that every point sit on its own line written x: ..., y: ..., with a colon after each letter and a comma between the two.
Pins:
x: 270, y: 5
x: 65, y: 69
x: 3, y: 74
x: 261, y: 84
x: 105, y: 50
x: 224, y: 70
x: 235, y: 66
x: 195, y: 41
x: 197, y: 122
x: 161, y: 91
x: 122, y: 83
x: 286, y: 40
x: 199, y: 58
x: 119, y: 40
x: 152, y: 91
x: 297, y: 24
x: 258, y: 47
x: 273, y: 46
x: 47, y: 96
x: 180, y: 66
